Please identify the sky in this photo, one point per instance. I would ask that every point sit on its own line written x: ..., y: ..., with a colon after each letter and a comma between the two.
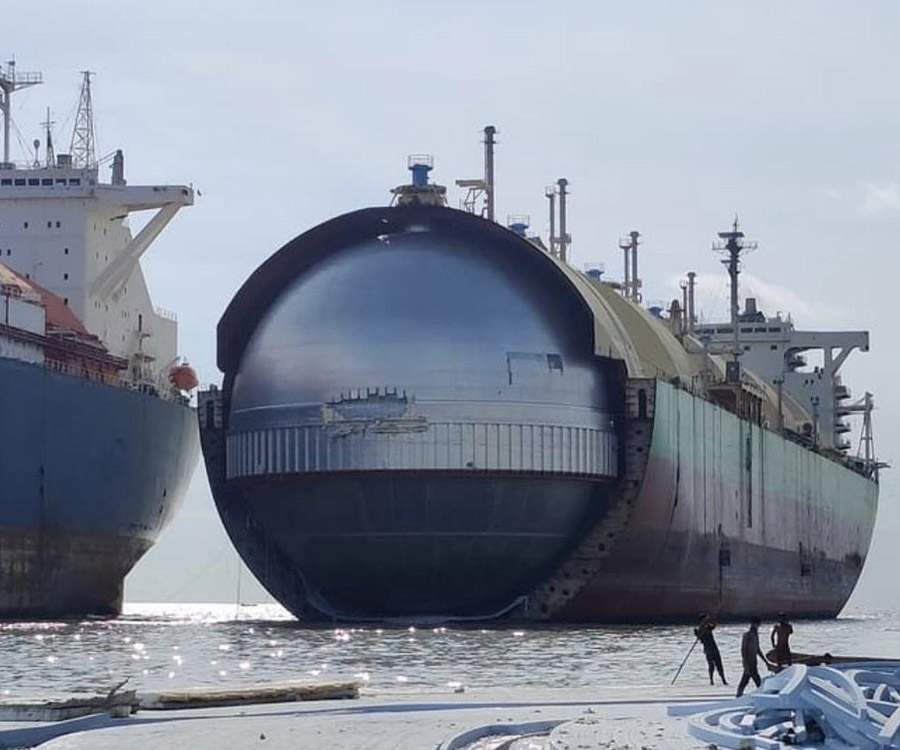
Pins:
x: 665, y: 117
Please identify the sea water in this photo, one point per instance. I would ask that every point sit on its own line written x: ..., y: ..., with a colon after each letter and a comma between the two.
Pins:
x: 160, y: 646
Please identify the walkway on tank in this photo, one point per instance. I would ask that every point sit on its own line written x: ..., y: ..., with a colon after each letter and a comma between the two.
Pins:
x: 477, y: 719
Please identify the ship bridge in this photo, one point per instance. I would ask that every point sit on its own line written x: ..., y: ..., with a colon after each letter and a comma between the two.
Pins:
x: 773, y: 349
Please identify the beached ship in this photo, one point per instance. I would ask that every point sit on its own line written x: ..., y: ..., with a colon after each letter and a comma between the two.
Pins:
x: 427, y: 416
x: 97, y: 437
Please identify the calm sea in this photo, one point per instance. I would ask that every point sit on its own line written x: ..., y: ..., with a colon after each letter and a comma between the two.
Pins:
x: 161, y: 646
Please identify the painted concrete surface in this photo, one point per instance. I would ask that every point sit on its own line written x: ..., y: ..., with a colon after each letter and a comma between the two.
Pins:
x: 627, y: 717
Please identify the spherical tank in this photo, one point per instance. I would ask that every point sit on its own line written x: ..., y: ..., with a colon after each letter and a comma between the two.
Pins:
x: 418, y: 417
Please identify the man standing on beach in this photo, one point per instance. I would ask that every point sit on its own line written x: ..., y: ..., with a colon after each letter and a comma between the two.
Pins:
x: 704, y: 633
x: 749, y: 651
x: 780, y: 635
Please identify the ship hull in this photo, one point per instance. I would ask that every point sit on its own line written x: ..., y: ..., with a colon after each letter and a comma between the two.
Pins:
x: 396, y: 546
x: 731, y: 519
x: 401, y: 347
x: 728, y: 518
x: 91, y: 474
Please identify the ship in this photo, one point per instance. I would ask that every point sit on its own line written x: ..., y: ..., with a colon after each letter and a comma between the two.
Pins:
x: 98, y: 439
x: 426, y: 416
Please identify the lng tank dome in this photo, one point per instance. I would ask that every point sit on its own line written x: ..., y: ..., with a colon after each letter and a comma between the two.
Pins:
x: 443, y: 352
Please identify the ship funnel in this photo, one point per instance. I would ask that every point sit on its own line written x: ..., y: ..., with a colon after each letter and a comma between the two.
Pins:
x: 420, y: 191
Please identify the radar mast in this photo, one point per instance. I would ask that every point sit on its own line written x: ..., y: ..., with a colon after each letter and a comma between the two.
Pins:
x: 83, y: 148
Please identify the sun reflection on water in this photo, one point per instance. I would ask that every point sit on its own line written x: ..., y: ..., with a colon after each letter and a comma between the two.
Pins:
x: 161, y: 646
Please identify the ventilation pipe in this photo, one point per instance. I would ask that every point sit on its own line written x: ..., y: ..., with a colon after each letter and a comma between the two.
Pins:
x: 563, y: 240
x: 691, y: 313
x: 550, y: 192
x: 635, y: 279
x: 626, y: 284
x: 489, y: 142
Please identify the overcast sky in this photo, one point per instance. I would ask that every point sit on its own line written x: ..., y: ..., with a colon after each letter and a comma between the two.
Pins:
x: 666, y: 117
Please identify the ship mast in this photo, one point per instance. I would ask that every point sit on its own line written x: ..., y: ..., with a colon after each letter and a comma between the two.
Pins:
x: 82, y: 148
x: 10, y: 82
x: 50, y: 158
x: 732, y: 245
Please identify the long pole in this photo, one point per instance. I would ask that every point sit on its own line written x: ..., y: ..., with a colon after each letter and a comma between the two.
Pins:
x: 489, y: 142
x: 684, y: 661
x: 563, y: 240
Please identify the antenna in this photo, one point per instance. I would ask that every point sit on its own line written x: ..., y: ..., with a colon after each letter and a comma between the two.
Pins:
x: 82, y: 148
x: 10, y: 82
x: 48, y: 124
x: 732, y: 244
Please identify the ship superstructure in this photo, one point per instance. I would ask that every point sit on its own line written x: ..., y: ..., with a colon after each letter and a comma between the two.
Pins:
x: 428, y: 416
x: 773, y: 348
x: 97, y: 441
x: 63, y: 228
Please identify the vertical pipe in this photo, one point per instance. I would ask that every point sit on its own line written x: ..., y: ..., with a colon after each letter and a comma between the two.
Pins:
x: 627, y: 286
x: 685, y: 310
x: 779, y: 382
x: 489, y: 132
x: 563, y: 235
x: 5, y: 108
x: 550, y: 192
x: 733, y: 271
x: 635, y: 279
x: 692, y: 318
x: 7, y: 92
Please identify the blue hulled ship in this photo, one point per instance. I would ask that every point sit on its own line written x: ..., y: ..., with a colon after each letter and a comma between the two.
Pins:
x: 97, y: 437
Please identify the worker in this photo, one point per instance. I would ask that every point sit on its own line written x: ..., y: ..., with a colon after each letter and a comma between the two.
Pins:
x: 780, y: 635
x: 704, y: 633
x: 749, y: 651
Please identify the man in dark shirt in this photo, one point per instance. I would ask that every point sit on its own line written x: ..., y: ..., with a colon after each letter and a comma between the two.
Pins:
x: 704, y: 633
x: 749, y: 651
x: 780, y: 635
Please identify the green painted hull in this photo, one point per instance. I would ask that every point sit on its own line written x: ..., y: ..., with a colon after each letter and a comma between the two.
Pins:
x: 730, y: 518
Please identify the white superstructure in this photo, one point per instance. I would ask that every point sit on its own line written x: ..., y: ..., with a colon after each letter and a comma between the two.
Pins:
x: 67, y: 231
x: 773, y: 349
